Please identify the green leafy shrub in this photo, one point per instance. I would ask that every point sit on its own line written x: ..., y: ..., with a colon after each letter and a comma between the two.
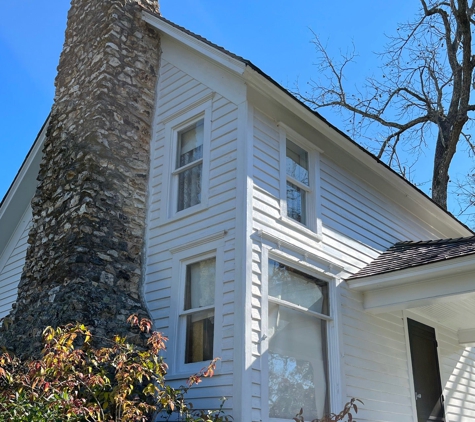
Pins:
x: 74, y: 381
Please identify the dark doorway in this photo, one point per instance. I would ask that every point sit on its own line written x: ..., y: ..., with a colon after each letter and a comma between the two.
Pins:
x: 425, y: 369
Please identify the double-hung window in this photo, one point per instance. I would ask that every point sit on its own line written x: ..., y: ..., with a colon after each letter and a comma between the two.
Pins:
x: 300, y: 183
x: 185, y: 172
x: 198, y: 310
x: 298, y: 312
x: 189, y: 165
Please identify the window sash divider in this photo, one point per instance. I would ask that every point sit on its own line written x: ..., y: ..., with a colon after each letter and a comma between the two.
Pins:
x: 299, y: 308
x: 196, y: 310
x: 187, y: 166
x: 300, y: 185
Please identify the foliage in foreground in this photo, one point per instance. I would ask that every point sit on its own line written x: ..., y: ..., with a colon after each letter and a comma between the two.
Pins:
x: 334, y: 417
x: 74, y: 381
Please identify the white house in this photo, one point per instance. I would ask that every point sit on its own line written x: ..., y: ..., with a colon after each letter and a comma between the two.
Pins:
x: 281, y: 246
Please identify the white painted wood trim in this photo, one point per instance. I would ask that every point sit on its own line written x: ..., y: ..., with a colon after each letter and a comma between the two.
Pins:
x: 192, y: 42
x: 199, y: 242
x: 333, y: 267
x: 334, y: 333
x: 242, y: 392
x: 181, y: 120
x: 18, y: 232
x: 176, y: 350
x: 466, y: 337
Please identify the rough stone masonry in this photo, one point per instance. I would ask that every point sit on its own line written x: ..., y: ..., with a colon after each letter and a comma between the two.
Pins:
x: 84, y: 261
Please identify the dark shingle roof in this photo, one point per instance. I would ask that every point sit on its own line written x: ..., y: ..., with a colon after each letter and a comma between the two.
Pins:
x: 405, y: 255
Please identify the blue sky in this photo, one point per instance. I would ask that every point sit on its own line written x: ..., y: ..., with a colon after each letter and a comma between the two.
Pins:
x: 274, y: 35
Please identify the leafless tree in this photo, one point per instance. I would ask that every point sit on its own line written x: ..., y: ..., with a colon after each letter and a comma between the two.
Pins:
x: 423, y: 94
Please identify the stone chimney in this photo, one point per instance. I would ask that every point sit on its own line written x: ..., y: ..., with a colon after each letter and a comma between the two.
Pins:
x: 84, y: 262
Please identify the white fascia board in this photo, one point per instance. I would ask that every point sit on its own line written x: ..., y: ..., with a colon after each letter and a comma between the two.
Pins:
x: 21, y: 192
x: 378, y: 170
x: 422, y: 293
x: 450, y: 267
x: 194, y: 43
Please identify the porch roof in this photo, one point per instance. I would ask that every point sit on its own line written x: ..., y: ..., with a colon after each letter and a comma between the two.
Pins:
x: 404, y: 255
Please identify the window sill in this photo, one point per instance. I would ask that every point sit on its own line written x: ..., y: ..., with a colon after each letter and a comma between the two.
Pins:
x: 300, y: 228
x: 196, y: 209
x: 187, y: 370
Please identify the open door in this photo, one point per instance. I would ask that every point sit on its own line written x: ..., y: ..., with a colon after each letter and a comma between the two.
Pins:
x: 425, y: 370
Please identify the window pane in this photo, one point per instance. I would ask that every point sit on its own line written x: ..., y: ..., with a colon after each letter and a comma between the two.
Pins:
x: 296, y: 203
x: 297, y: 162
x: 199, y: 336
x: 189, y: 187
x: 200, y: 282
x: 293, y: 286
x: 190, y: 144
x: 297, y: 364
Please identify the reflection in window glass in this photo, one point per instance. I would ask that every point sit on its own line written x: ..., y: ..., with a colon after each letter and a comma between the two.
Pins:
x: 190, y: 150
x: 293, y: 286
x: 297, y: 360
x: 297, y: 162
x: 199, y: 293
x: 296, y: 203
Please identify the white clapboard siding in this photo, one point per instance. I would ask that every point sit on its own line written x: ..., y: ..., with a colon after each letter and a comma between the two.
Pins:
x: 11, y: 264
x: 358, y: 224
x: 375, y: 362
x: 457, y: 366
x: 177, y: 91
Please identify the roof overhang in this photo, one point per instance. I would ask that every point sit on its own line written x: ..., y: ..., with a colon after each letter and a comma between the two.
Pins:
x: 440, y: 285
x: 21, y: 191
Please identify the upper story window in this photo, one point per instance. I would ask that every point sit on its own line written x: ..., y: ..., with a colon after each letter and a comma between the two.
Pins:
x: 300, y: 183
x: 186, y: 158
x: 189, y: 165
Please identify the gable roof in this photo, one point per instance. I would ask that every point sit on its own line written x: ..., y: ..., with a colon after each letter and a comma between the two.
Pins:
x: 405, y: 255
x: 156, y: 16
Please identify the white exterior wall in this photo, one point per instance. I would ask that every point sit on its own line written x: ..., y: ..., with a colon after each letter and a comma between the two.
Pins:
x: 358, y: 224
x: 171, y: 239
x: 11, y: 263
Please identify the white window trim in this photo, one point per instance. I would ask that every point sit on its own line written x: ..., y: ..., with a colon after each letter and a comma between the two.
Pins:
x: 173, y: 126
x: 313, y: 227
x: 333, y: 341
x: 176, y: 346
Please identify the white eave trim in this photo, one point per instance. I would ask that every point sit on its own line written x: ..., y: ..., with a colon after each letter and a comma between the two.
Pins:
x: 194, y: 43
x: 269, y: 89
x: 440, y: 269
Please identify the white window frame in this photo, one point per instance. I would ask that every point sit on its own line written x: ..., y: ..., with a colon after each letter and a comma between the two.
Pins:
x: 170, y: 173
x: 177, y: 344
x: 335, y: 377
x: 313, y: 225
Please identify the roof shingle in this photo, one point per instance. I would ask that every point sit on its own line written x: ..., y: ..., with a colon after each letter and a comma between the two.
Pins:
x: 403, y: 255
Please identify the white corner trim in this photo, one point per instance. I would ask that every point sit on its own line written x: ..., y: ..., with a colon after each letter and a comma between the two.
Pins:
x: 202, y: 47
x: 199, y: 242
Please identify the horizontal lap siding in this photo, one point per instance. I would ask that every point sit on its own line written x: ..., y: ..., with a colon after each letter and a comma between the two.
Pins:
x: 12, y: 266
x: 457, y: 367
x: 358, y: 224
x: 177, y: 91
x: 375, y: 362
